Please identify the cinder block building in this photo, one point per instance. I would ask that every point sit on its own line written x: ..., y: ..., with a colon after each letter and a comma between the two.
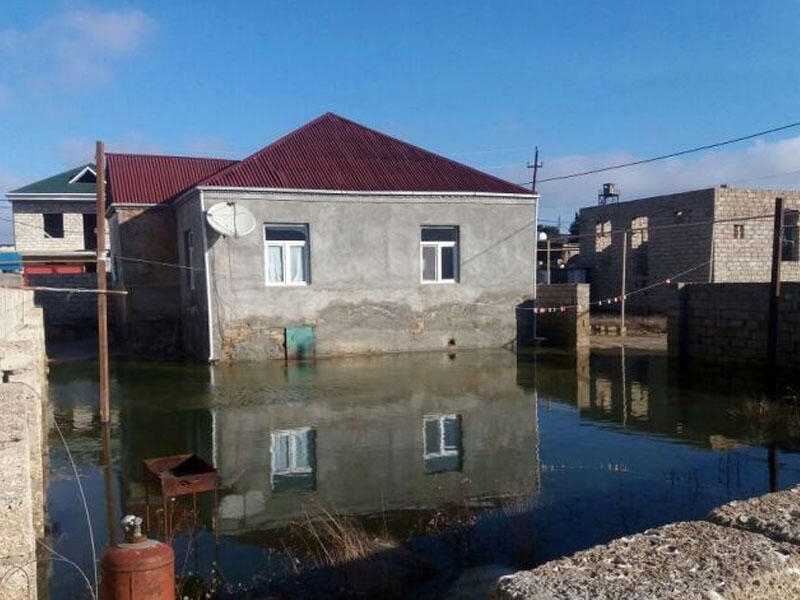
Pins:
x: 715, y: 235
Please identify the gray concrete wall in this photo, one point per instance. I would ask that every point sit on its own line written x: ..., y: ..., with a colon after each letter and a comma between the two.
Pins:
x: 570, y: 328
x: 144, y: 254
x: 678, y: 238
x: 727, y: 323
x: 365, y: 293
x: 22, y: 361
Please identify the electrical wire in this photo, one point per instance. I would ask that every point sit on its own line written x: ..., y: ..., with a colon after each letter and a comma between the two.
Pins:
x: 643, y: 161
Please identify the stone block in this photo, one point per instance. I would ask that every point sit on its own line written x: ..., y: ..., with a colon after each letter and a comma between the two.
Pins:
x: 775, y: 515
x: 691, y: 560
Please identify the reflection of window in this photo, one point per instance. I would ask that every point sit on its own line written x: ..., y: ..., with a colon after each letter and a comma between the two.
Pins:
x: 53, y: 225
x: 791, y: 228
x: 286, y: 254
x: 639, y: 233
x: 442, y: 443
x: 293, y: 459
x: 439, y: 254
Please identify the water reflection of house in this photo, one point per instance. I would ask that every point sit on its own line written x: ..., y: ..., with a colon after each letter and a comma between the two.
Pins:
x: 416, y: 439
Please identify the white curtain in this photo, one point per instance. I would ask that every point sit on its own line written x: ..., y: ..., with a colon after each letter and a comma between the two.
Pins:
x: 275, y: 264
x: 298, y: 267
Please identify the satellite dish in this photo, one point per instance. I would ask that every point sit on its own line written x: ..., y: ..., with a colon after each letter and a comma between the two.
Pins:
x: 230, y: 219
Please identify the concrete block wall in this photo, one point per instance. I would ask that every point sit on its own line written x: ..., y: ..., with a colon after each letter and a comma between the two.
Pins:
x: 727, y: 323
x: 572, y: 327
x: 678, y: 237
x: 22, y: 361
x: 63, y: 308
x: 749, y: 258
x: 29, y: 233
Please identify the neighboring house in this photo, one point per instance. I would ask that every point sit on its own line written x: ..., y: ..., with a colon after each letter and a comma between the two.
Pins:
x: 55, y: 221
x: 709, y: 235
x: 55, y: 224
x: 364, y: 243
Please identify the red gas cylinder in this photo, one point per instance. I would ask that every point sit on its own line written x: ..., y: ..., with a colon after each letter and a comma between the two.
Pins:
x: 138, y: 568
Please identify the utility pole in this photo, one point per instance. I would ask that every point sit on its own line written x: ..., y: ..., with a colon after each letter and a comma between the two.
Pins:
x: 548, y: 260
x: 775, y: 287
x: 535, y: 166
x: 102, y: 298
x: 624, y: 282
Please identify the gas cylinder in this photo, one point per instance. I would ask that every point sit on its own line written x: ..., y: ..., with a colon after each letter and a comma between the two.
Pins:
x: 138, y: 568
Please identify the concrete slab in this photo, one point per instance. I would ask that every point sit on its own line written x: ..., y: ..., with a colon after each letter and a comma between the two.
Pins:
x: 691, y: 560
x: 775, y: 515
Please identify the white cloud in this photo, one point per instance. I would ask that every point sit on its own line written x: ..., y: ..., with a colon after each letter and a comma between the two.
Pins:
x: 774, y: 165
x: 74, y: 48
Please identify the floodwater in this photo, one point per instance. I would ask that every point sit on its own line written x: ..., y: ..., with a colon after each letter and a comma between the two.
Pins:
x: 446, y: 467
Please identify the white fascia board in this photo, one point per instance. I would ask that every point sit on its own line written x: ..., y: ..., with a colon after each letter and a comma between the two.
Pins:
x: 521, y: 198
x: 211, y: 357
x: 81, y: 174
x: 27, y: 197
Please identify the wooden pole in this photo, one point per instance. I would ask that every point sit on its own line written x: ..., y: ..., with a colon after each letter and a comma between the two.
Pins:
x: 102, y: 298
x: 624, y: 282
x: 548, y: 261
x: 775, y: 286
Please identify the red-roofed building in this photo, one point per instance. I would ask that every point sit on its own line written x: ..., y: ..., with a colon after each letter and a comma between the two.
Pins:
x: 335, y: 238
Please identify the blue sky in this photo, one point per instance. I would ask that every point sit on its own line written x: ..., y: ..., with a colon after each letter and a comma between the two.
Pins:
x: 590, y: 83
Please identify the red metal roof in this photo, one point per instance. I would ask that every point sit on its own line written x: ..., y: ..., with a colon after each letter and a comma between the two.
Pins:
x: 145, y: 179
x: 332, y: 153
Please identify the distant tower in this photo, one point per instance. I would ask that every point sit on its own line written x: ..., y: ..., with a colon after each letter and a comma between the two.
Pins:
x: 608, y: 195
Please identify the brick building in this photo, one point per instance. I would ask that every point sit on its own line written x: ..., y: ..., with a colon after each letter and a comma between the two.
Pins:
x: 715, y: 235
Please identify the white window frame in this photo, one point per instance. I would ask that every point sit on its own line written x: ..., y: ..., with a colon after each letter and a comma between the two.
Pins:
x: 286, y: 246
x: 443, y: 449
x: 294, y: 436
x: 438, y: 246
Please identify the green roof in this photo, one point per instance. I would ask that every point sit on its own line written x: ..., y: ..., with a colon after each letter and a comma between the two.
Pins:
x: 60, y: 184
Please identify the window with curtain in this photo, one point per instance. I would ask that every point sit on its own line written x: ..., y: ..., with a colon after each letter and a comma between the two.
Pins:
x: 293, y: 459
x: 439, y: 254
x: 286, y: 254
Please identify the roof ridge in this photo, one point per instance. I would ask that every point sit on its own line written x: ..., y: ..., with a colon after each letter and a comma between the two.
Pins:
x: 268, y: 146
x: 234, y: 160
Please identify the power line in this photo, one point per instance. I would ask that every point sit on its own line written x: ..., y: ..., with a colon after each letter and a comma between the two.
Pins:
x: 643, y: 161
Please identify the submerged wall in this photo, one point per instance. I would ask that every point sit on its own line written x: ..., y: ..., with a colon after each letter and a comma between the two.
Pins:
x: 22, y: 362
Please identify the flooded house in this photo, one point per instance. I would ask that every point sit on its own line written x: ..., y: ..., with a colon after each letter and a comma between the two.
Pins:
x: 335, y: 239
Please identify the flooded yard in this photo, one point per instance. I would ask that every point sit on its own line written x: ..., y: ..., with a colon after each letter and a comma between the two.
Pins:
x: 413, y: 472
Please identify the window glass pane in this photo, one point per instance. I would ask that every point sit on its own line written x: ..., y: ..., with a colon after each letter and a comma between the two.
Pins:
x: 280, y: 452
x: 439, y: 234
x: 302, y: 450
x: 451, y: 433
x: 432, y: 436
x: 275, y: 264
x: 297, y: 270
x: 448, y: 262
x: 429, y: 263
x: 280, y: 233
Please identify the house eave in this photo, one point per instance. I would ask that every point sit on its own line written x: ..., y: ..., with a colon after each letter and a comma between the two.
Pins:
x: 521, y: 198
